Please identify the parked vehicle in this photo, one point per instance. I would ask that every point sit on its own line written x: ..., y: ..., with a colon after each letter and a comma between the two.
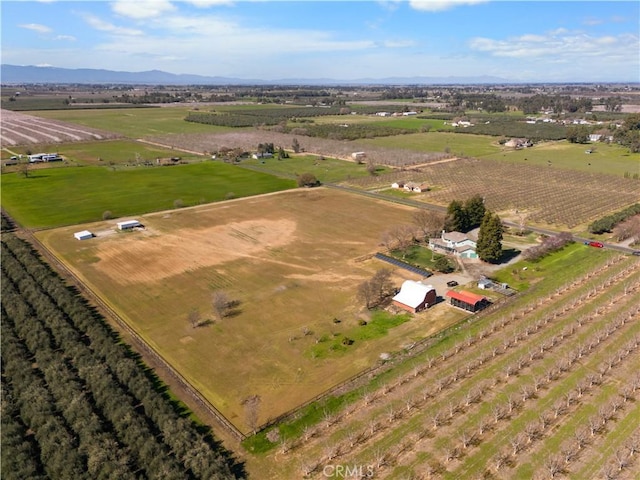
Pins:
x: 595, y: 244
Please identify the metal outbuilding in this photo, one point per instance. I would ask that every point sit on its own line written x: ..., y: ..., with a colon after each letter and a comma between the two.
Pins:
x: 129, y: 224
x: 83, y: 235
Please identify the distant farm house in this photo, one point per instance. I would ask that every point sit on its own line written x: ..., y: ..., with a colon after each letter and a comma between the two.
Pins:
x: 83, y: 235
x: 415, y: 296
x: 455, y: 243
x: 412, y: 186
x: 467, y: 300
x: 258, y: 155
x: 518, y: 143
x: 129, y: 225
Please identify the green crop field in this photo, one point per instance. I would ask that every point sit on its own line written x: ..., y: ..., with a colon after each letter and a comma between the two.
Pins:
x: 457, y: 144
x: 292, y: 262
x: 103, y: 153
x: 611, y: 159
x: 133, y: 122
x: 64, y: 196
x: 409, y: 123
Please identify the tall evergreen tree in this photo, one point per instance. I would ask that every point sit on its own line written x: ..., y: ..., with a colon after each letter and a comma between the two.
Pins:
x: 457, y: 219
x: 489, y: 246
x: 475, y: 210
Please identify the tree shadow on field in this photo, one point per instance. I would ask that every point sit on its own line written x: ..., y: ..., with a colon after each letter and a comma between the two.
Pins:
x: 233, y: 309
x: 508, y: 254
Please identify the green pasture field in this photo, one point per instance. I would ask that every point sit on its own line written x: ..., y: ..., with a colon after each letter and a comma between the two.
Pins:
x: 134, y: 122
x: 291, y: 260
x: 409, y: 123
x: 64, y: 196
x: 605, y: 158
x: 522, y: 274
x: 327, y: 170
x: 103, y: 153
x: 462, y: 145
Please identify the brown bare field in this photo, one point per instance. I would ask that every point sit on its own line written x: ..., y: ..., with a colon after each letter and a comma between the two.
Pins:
x: 21, y: 129
x: 291, y: 260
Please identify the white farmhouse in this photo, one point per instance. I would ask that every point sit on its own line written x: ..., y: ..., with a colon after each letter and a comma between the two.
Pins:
x: 455, y: 243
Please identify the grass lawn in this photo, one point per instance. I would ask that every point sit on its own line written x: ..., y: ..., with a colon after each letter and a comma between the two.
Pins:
x: 133, y: 122
x: 458, y: 144
x: 105, y: 153
x: 611, y: 159
x: 420, y: 256
x: 65, y: 196
x: 327, y: 170
x: 521, y: 275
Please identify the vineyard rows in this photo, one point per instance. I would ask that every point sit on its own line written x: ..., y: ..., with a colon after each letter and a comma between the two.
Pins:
x: 93, y: 409
x: 546, y: 194
x: 502, y: 401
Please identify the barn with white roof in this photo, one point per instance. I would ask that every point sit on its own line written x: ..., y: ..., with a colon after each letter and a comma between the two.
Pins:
x: 415, y: 296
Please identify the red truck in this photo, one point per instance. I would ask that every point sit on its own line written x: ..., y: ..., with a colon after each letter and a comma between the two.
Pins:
x: 595, y: 244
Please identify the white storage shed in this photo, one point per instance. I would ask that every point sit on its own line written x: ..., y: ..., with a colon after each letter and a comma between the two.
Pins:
x: 83, y: 235
x: 129, y: 224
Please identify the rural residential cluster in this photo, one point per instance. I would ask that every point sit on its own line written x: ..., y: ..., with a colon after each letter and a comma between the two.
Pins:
x: 309, y: 282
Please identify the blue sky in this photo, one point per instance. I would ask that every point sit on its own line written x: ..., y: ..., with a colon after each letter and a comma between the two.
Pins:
x: 540, y: 41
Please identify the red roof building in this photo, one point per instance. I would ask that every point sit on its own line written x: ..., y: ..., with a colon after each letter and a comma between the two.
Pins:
x: 467, y: 300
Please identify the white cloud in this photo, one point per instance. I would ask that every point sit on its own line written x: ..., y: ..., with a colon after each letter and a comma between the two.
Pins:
x: 103, y: 26
x: 69, y: 38
x: 209, y: 3
x: 142, y: 9
x: 36, y: 27
x: 441, y: 5
x: 398, y: 43
x: 559, y: 46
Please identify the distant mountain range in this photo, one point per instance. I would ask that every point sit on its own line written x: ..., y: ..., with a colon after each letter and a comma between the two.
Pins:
x: 16, y: 74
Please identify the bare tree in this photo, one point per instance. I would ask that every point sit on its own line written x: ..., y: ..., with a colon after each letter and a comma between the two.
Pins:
x: 367, y: 294
x: 375, y: 290
x: 251, y: 406
x: 194, y: 317
x: 553, y: 466
x: 429, y: 223
x: 23, y: 168
x: 221, y: 303
x: 581, y: 436
x: 381, y: 282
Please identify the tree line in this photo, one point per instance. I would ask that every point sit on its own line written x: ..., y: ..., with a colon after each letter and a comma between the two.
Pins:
x: 79, y: 403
